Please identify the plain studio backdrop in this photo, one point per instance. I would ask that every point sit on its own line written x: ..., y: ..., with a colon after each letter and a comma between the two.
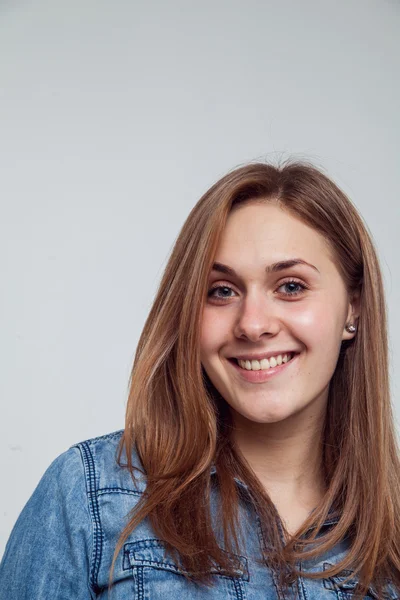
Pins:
x: 115, y: 117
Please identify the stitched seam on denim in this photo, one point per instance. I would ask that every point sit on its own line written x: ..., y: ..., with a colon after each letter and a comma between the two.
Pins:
x: 260, y: 532
x: 279, y: 592
x: 147, y: 543
x: 106, y: 436
x: 238, y: 588
x: 165, y: 566
x: 99, y: 438
x: 140, y: 584
x: 117, y: 490
x: 302, y: 587
x: 95, y: 512
x: 298, y: 590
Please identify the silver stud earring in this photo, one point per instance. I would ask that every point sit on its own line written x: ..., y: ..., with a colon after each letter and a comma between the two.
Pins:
x: 350, y: 328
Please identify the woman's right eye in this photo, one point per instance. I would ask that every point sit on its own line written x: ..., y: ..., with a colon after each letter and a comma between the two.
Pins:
x: 224, y: 288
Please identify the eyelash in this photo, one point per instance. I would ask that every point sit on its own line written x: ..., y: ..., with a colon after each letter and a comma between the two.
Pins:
x: 303, y: 287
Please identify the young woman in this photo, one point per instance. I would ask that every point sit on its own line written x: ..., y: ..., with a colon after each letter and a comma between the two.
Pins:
x: 259, y: 457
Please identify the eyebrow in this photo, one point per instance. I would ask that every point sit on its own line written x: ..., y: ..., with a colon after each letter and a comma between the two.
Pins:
x: 274, y: 268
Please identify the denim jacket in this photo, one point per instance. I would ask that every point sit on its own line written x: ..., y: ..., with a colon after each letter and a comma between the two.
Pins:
x: 62, y: 544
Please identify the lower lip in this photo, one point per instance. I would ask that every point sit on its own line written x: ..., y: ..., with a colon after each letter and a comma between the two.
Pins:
x: 262, y: 375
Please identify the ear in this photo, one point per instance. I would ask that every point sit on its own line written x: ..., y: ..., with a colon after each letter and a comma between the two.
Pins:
x: 353, y: 313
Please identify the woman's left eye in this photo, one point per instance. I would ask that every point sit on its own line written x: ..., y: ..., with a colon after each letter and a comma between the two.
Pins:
x: 296, y: 284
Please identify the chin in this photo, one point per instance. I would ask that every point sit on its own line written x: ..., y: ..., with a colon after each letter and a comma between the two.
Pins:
x: 265, y: 417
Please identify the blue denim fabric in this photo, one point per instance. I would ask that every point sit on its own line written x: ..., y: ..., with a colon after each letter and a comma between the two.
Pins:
x: 62, y: 544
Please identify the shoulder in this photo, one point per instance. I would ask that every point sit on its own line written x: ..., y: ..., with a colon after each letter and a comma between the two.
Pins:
x: 71, y: 523
x: 87, y: 468
x: 99, y: 456
x: 103, y: 446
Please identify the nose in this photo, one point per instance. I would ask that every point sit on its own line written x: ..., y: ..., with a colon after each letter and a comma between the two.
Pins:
x: 257, y: 317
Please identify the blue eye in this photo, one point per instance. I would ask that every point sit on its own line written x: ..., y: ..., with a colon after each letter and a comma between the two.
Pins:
x: 219, y: 287
x: 297, y: 285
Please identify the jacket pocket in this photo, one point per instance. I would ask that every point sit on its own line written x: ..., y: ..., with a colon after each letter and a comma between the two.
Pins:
x: 345, y: 590
x: 157, y: 576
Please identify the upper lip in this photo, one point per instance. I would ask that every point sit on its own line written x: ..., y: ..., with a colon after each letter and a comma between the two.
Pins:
x: 262, y: 355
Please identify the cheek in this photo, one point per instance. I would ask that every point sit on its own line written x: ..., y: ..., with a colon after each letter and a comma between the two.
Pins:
x: 214, y: 332
x: 308, y: 316
x: 320, y: 330
x: 318, y: 325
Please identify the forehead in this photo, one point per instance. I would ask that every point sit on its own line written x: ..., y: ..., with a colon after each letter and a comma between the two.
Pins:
x: 258, y: 231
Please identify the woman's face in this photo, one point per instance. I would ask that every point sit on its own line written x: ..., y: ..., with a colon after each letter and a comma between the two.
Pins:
x: 261, y: 310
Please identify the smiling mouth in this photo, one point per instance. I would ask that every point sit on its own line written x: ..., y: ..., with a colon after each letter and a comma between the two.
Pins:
x: 264, y: 364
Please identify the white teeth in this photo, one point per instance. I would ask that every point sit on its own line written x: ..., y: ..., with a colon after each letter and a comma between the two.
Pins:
x: 265, y: 363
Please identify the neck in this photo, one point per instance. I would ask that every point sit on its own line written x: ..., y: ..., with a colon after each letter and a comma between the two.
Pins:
x: 286, y: 456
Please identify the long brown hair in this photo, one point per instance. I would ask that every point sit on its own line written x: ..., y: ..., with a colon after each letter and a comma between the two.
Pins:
x: 180, y: 425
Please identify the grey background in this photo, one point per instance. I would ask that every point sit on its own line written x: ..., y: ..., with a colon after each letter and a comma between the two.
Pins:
x: 114, y: 118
